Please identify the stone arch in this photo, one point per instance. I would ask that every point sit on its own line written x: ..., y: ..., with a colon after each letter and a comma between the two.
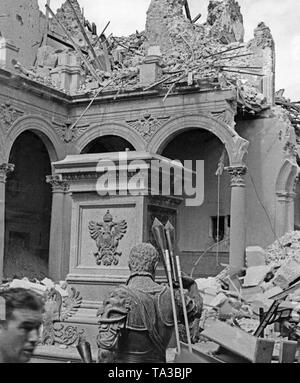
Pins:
x: 110, y: 129
x: 43, y: 129
x: 286, y: 178
x: 235, y: 145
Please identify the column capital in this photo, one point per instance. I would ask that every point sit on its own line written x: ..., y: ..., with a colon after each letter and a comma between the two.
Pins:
x: 4, y: 170
x: 284, y: 196
x: 58, y: 184
x: 237, y: 175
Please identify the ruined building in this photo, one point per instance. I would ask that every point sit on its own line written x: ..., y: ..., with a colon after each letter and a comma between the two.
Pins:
x: 182, y: 89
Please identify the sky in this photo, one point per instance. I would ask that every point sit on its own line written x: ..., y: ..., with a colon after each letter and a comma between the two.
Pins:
x: 283, y: 17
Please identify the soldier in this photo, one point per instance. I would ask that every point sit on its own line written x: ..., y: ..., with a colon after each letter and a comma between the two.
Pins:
x: 19, y: 327
x: 136, y: 322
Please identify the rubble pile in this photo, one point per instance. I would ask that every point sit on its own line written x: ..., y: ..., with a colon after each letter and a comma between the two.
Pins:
x: 226, y: 21
x: 286, y: 247
x: 209, y: 55
x: 293, y: 111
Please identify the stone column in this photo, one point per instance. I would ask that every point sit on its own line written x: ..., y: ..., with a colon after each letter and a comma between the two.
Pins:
x: 56, y: 248
x: 284, y: 213
x: 238, y: 217
x: 4, y: 170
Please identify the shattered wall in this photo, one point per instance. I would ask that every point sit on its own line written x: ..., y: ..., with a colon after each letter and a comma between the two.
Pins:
x: 22, y: 22
x: 226, y: 21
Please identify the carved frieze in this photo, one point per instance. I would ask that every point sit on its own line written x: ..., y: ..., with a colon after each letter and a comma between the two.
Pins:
x: 58, y: 309
x: 66, y: 132
x: 107, y: 235
x: 148, y: 125
x: 62, y: 334
x: 8, y: 115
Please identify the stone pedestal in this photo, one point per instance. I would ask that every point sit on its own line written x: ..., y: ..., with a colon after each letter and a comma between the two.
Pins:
x: 119, y: 214
x: 113, y: 206
x: 4, y: 170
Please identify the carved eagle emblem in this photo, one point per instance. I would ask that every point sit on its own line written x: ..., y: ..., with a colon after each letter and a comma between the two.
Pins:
x: 107, y: 235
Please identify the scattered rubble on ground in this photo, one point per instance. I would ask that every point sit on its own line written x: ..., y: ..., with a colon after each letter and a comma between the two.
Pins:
x: 283, y: 248
x: 270, y: 272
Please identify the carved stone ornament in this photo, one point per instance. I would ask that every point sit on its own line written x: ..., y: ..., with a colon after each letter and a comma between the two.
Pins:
x: 8, y: 115
x: 225, y: 116
x: 65, y: 132
x: 4, y: 170
x: 58, y: 309
x: 107, y: 235
x: 237, y: 175
x: 57, y: 183
x: 147, y: 125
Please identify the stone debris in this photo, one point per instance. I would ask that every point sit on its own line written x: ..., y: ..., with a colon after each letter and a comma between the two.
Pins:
x: 286, y: 247
x: 40, y: 287
x: 211, y: 55
x: 292, y: 109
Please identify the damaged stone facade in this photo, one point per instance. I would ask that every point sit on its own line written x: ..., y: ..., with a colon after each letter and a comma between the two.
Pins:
x: 187, y: 53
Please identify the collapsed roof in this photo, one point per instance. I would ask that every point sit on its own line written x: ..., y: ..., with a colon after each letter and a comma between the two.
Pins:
x: 208, y: 55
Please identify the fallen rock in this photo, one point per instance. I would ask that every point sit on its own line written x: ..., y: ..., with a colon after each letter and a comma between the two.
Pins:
x: 255, y: 275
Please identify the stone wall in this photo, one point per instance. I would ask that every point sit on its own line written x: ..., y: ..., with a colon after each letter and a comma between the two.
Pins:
x: 267, y: 152
x: 22, y: 22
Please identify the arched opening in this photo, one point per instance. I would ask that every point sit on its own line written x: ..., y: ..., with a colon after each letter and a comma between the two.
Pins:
x: 201, y: 227
x: 108, y: 144
x: 27, y: 209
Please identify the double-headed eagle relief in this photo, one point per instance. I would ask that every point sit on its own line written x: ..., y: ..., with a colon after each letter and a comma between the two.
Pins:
x: 107, y: 235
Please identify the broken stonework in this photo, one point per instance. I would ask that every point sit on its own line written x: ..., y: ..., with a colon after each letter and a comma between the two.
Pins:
x: 22, y: 22
x: 263, y: 48
x: 8, y: 53
x: 226, y: 21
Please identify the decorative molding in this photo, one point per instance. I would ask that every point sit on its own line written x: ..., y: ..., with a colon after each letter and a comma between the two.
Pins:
x: 237, y: 175
x: 58, y: 309
x: 164, y: 201
x: 65, y: 132
x: 225, y: 116
x: 8, y: 115
x: 58, y: 183
x: 107, y: 235
x: 148, y: 125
